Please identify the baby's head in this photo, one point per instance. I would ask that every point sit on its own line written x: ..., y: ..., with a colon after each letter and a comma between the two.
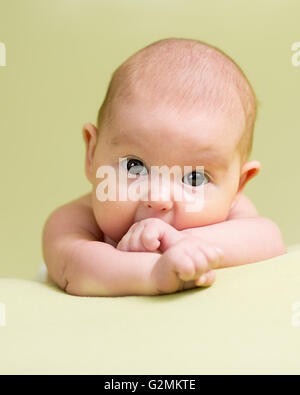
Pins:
x: 180, y: 103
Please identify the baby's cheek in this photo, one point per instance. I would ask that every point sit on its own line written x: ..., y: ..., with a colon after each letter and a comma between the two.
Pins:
x: 207, y: 213
x: 114, y: 218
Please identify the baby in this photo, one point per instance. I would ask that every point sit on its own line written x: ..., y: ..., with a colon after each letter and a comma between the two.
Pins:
x: 181, y: 103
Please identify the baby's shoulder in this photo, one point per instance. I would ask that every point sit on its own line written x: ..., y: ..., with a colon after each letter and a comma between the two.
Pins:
x: 79, y: 214
x: 85, y: 202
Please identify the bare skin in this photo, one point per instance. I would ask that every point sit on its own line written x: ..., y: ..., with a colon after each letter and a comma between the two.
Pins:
x: 79, y: 259
x: 145, y: 247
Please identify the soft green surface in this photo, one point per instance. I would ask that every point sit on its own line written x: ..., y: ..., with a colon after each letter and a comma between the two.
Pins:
x: 60, y: 56
x: 242, y: 324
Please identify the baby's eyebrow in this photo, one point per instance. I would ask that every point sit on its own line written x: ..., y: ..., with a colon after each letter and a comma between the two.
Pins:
x: 212, y: 158
x: 206, y: 157
x: 117, y: 140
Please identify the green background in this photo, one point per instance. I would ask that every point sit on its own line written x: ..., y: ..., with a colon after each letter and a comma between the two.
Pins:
x: 60, y: 56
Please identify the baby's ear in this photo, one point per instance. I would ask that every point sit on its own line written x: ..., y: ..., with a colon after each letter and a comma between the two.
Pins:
x: 90, y: 133
x: 249, y: 170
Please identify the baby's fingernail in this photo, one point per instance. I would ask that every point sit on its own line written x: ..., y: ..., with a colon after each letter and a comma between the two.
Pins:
x: 201, y: 280
x: 219, y: 251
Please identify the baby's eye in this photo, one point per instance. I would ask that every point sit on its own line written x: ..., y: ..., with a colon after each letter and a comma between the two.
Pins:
x: 135, y: 166
x: 195, y: 179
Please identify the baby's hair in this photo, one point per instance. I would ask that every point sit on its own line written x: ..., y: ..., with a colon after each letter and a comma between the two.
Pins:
x: 185, y: 74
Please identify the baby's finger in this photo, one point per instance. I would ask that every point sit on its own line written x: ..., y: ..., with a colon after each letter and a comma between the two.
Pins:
x: 199, y: 261
x: 206, y: 279
x: 186, y: 267
x: 150, y: 237
x: 213, y: 255
x: 135, y: 243
x: 201, y: 264
x: 123, y: 244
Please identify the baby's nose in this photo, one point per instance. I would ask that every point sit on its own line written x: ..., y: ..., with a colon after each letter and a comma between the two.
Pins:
x: 160, y: 197
x: 159, y: 205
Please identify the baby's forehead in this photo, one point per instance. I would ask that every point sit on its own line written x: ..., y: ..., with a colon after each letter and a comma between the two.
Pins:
x: 184, y: 75
x: 138, y: 124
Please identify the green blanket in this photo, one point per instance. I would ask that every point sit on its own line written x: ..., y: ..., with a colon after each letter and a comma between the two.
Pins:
x: 247, y: 322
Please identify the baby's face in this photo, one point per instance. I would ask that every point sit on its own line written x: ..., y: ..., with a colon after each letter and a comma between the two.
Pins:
x: 141, y: 136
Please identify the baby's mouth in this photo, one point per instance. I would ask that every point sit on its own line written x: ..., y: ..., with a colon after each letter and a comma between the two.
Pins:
x: 166, y: 216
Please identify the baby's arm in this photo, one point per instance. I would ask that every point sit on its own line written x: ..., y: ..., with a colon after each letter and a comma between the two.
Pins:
x: 244, y: 237
x: 79, y: 262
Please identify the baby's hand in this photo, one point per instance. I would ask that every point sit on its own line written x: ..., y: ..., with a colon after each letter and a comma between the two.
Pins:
x: 149, y: 235
x: 188, y: 263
